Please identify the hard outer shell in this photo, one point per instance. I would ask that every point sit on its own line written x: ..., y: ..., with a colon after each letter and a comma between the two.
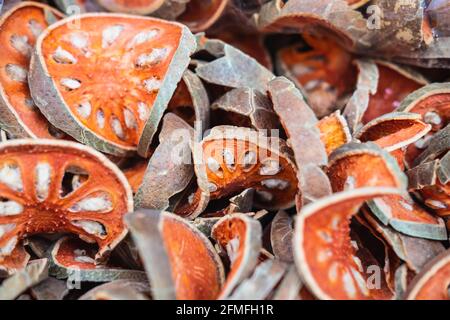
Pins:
x: 262, y: 282
x: 437, y: 146
x: 171, y: 9
x: 334, y: 131
x: 40, y: 202
x: 119, y: 290
x: 323, y: 252
x: 394, y: 130
x: 232, y: 159
x: 132, y: 7
x: 200, y: 15
x: 71, y: 258
x: 35, y: 272
x: 281, y: 233
x: 135, y: 174
x: 109, y: 129
x: 50, y: 289
x: 401, y: 281
x: 241, y: 237
x: 19, y: 29
x: 171, y: 161
x: 246, y: 107
x: 433, y: 281
x: 290, y: 286
x: 232, y: 68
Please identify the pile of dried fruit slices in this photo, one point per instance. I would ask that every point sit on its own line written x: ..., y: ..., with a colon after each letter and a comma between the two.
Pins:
x: 224, y: 149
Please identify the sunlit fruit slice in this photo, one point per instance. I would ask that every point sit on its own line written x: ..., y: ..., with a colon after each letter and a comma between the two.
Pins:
x: 108, y: 81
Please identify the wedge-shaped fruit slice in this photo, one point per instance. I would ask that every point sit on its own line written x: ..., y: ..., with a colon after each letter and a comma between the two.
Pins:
x: 323, y: 250
x: 433, y: 281
x: 74, y: 259
x: 141, y: 7
x: 180, y: 261
x: 325, y: 72
x: 54, y: 186
x: 334, y: 131
x: 240, y: 236
x: 232, y: 159
x: 200, y: 14
x: 111, y: 79
x: 19, y: 29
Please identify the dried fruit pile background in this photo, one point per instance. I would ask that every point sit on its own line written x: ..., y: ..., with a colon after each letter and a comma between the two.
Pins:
x: 225, y: 149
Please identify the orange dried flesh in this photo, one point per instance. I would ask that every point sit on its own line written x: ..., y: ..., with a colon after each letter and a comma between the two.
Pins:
x: 392, y: 88
x: 194, y: 270
x: 119, y: 64
x: 268, y: 172
x: 358, y: 170
x: 135, y: 174
x: 326, y: 62
x: 333, y: 260
x: 34, y: 182
x: 437, y: 198
x: 439, y: 104
x: 181, y: 104
x: 18, y: 34
x: 17, y: 260
x: 74, y: 253
x: 201, y: 14
x: 333, y: 132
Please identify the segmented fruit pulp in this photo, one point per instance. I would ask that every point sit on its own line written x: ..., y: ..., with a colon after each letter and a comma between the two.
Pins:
x: 110, y: 72
x: 53, y: 188
x: 18, y: 35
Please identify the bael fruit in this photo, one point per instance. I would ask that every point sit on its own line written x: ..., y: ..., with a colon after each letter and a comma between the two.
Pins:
x: 240, y: 236
x: 231, y: 159
x: 50, y: 289
x: 19, y: 29
x: 201, y: 14
x: 52, y: 186
x: 281, y: 233
x: 74, y: 259
x: 141, y: 7
x: 334, y: 131
x: 119, y: 290
x: 433, y: 281
x: 105, y: 112
x: 323, y: 251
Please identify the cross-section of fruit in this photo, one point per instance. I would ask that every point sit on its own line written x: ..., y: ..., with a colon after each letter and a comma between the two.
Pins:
x: 142, y: 7
x: 232, y: 159
x: 19, y: 29
x: 51, y: 187
x: 108, y: 81
x: 325, y: 254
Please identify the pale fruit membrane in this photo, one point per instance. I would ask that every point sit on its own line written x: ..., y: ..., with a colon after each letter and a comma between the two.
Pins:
x: 432, y: 283
x: 50, y: 186
x: 201, y: 14
x: 232, y: 159
x: 19, y: 29
x: 240, y: 236
x: 111, y: 77
x: 325, y: 254
x: 142, y: 7
x: 197, y: 270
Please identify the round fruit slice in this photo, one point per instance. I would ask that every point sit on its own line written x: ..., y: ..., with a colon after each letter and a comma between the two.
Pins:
x: 394, y: 84
x: 141, y: 7
x: 394, y: 131
x: 181, y: 252
x: 241, y: 237
x: 19, y: 29
x: 334, y: 131
x: 232, y: 159
x: 201, y: 14
x: 325, y: 72
x: 110, y: 79
x: 75, y: 259
x: 323, y: 251
x: 49, y: 186
x: 433, y: 281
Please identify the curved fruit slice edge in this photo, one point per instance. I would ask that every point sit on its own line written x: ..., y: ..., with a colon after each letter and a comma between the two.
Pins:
x: 199, y: 15
x: 139, y: 8
x: 50, y: 289
x: 334, y: 131
x: 281, y: 233
x: 119, y: 290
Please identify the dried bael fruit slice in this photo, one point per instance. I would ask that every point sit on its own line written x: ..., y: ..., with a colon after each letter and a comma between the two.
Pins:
x: 325, y: 72
x: 50, y: 186
x: 141, y: 7
x: 111, y: 79
x: 75, y: 259
x: 281, y: 233
x: 394, y: 84
x: 232, y: 159
x: 135, y: 174
x: 433, y: 281
x: 241, y: 237
x: 16, y: 261
x: 334, y: 131
x: 19, y: 29
x: 201, y: 14
x: 323, y: 251
x: 119, y: 290
x: 71, y: 7
x: 50, y: 289
x: 35, y: 272
x: 186, y: 266
x: 245, y: 107
x: 394, y: 130
x: 289, y: 286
